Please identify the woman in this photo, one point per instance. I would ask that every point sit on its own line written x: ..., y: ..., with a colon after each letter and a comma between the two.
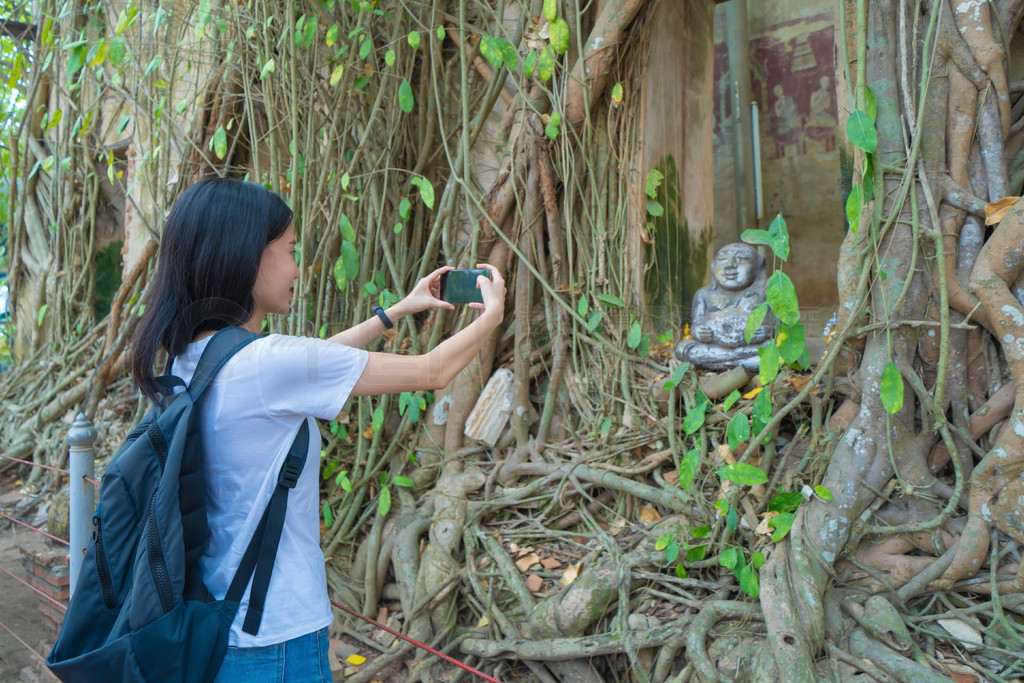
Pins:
x: 228, y: 258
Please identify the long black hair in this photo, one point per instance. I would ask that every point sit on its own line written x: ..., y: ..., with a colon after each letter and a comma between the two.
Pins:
x: 210, y: 254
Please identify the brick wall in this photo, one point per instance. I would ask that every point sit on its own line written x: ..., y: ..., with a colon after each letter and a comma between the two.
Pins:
x: 48, y: 571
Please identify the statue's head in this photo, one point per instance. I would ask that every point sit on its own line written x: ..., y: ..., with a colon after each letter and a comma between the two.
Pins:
x: 736, y: 266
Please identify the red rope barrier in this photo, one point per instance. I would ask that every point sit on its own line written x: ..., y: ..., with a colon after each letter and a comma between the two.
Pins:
x: 407, y: 639
x: 58, y: 603
x: 30, y: 648
x: 34, y: 464
x: 29, y: 526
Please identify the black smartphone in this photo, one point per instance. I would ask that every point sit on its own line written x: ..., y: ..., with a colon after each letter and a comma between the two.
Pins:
x: 459, y: 286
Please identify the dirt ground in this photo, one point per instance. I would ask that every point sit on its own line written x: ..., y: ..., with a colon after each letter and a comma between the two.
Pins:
x: 19, y: 608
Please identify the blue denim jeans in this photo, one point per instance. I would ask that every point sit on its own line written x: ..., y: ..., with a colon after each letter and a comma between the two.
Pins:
x: 297, y: 660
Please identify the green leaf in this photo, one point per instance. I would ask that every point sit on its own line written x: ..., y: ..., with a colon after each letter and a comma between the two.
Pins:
x: 662, y: 542
x: 123, y: 123
x: 781, y: 295
x: 405, y: 97
x: 116, y: 52
x: 655, y: 208
x: 220, y: 142
x: 695, y: 418
x: 754, y: 321
x: 550, y: 9
x: 153, y: 64
x: 426, y: 191
x: 384, y: 502
x: 546, y: 65
x: 681, y: 571
x: 441, y: 33
x: 344, y: 482
x: 606, y: 426
x: 405, y: 482
x: 757, y: 560
x: 823, y: 492
x: 414, y: 40
x: 633, y: 338
x: 677, y: 376
x: 892, y: 388
x: 42, y: 314
x: 267, y: 69
x: 553, y: 126
x: 332, y: 35
x: 336, y: 74
x: 732, y: 519
x: 594, y: 321
x: 871, y: 103
x: 405, y: 208
x: 530, y: 64
x: 755, y: 236
x: 652, y: 182
x: 613, y: 301
x: 701, y: 532
x: 778, y: 237
x: 696, y: 553
x: 389, y: 58
x: 490, y: 51
x: 743, y: 474
x: 782, y: 523
x: 869, y: 179
x: 126, y: 18
x: 558, y: 35
x: 738, y: 430
x: 785, y: 502
x: 582, y: 306
x: 350, y: 260
x: 617, y: 93
x: 378, y: 418
x: 854, y: 206
x: 348, y: 233
x: 747, y: 576
x: 769, y: 362
x: 672, y: 552
x: 860, y: 128
x: 791, y: 343
x: 76, y: 60
x: 729, y: 558
x: 730, y: 400
x: 328, y: 517
x: 364, y: 48
x: 688, y: 468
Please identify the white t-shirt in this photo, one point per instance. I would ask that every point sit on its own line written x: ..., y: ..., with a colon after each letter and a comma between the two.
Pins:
x: 248, y: 419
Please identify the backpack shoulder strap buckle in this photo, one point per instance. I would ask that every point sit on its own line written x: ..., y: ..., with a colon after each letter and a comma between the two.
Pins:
x: 292, y: 467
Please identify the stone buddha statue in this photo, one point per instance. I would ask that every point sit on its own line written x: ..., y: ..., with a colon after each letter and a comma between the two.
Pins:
x: 739, y: 278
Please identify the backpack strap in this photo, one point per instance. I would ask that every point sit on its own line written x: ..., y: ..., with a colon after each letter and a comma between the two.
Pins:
x: 225, y: 343
x: 258, y: 560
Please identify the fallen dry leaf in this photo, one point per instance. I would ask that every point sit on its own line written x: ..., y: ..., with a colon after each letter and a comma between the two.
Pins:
x: 647, y: 514
x: 618, y: 526
x: 533, y: 583
x: 763, y: 529
x: 998, y: 209
x: 524, y: 551
x: 526, y: 562
x: 753, y: 392
x: 550, y: 563
x: 483, y: 621
x: 570, y: 573
x: 799, y: 382
x: 355, y: 660
x: 672, y: 478
x: 726, y: 454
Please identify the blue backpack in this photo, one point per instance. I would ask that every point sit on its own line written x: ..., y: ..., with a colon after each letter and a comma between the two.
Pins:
x: 140, y: 611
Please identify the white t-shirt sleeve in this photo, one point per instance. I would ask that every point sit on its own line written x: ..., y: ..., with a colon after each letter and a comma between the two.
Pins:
x: 304, y: 376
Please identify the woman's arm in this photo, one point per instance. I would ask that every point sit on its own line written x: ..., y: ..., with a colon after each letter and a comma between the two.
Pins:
x: 387, y: 373
x: 426, y: 294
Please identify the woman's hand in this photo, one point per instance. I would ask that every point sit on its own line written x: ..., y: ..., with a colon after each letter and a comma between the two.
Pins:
x: 492, y: 291
x: 426, y: 294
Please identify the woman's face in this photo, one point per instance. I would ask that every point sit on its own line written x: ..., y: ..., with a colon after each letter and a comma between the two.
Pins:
x: 278, y: 272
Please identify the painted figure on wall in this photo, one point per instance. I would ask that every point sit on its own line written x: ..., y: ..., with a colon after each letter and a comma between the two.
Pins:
x: 739, y: 278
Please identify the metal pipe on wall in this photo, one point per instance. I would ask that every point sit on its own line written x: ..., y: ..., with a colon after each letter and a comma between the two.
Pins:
x: 740, y: 97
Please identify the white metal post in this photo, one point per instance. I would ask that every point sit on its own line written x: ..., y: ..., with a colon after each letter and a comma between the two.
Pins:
x: 82, y: 498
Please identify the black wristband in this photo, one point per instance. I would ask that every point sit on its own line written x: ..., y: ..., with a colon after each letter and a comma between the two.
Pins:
x: 383, y: 317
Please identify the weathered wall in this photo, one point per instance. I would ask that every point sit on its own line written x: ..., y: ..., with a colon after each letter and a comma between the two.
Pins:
x: 793, y: 84
x: 677, y: 124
